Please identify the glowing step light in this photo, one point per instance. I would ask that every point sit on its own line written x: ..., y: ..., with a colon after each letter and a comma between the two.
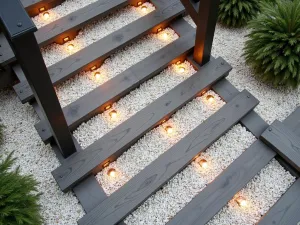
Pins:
x: 203, y: 163
x: 46, y: 15
x: 97, y: 75
x: 169, y: 129
x: 70, y: 47
x: 113, y: 114
x: 112, y: 172
x: 241, y: 201
x: 210, y: 98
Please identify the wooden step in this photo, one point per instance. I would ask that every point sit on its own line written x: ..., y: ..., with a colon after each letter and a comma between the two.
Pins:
x: 33, y: 6
x: 287, y: 210
x: 97, y: 52
x: 284, y: 141
x: 95, y: 101
x: 7, y: 56
x: 67, y: 26
x: 117, y: 141
x: 153, y: 177
x: 293, y: 121
x: 216, y: 195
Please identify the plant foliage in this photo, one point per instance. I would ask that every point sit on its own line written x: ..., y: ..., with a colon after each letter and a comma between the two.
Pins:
x: 18, y: 201
x: 236, y: 13
x: 273, y: 48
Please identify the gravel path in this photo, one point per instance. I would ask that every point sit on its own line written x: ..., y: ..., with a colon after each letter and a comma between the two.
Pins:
x: 37, y: 159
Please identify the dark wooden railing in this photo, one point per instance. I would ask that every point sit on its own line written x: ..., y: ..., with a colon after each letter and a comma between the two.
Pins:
x: 19, y: 31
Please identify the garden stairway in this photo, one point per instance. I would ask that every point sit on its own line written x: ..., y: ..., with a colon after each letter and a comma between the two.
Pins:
x: 77, y: 172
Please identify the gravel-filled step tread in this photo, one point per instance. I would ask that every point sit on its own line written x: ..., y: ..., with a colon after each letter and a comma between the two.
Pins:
x: 148, y: 181
x: 95, y: 101
x: 94, y: 54
x: 114, y: 143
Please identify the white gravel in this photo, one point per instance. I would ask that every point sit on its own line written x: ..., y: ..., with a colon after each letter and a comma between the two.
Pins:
x: 85, y: 82
x: 136, y: 100
x: 157, y: 141
x: 261, y: 194
x: 35, y: 158
x: 274, y: 103
x: 59, y: 11
x: 179, y: 191
x: 94, y: 32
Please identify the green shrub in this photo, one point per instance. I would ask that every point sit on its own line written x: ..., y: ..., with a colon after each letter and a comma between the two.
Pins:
x: 273, y: 48
x: 18, y: 201
x: 236, y: 13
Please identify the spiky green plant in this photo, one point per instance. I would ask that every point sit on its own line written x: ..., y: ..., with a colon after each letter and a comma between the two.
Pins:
x: 236, y: 13
x: 273, y: 48
x: 18, y: 198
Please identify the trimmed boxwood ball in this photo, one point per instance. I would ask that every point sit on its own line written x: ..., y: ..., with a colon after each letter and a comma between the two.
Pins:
x: 18, y: 196
x: 273, y: 48
x: 236, y: 13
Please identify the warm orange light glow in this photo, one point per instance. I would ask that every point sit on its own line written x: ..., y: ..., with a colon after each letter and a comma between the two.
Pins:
x: 241, y: 201
x: 169, y: 129
x: 97, y: 75
x: 140, y: 3
x: 181, y: 69
x: 66, y: 39
x: 144, y: 8
x: 70, y: 47
x: 210, y: 98
x: 42, y: 9
x: 112, y: 172
x: 178, y: 62
x: 159, y: 30
x: 203, y: 163
x: 93, y: 68
x: 46, y: 15
x: 107, y: 107
x: 113, y: 114
x: 165, y: 36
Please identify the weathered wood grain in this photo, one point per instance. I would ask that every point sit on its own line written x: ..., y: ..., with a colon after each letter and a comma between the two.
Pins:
x: 282, y: 140
x: 293, y: 121
x: 148, y: 181
x: 216, y: 195
x: 114, y: 143
x: 98, y: 51
x: 287, y: 210
x: 95, y: 101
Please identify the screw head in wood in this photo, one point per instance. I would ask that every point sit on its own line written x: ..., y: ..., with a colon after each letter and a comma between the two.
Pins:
x: 19, y: 24
x: 270, y: 129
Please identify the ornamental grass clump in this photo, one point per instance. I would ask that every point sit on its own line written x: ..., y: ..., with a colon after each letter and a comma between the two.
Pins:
x: 273, y: 48
x: 18, y: 196
x: 236, y: 13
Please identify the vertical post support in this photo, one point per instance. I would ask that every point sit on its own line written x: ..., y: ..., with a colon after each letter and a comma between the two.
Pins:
x: 19, y: 30
x: 208, y: 16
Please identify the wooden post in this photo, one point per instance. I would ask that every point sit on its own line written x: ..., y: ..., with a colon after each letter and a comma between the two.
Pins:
x: 19, y: 31
x: 208, y: 16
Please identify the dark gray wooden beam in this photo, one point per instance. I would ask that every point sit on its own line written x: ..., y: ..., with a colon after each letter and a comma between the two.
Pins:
x: 97, y: 52
x: 283, y: 140
x: 95, y: 101
x: 216, y: 194
x: 114, y: 143
x: 293, y: 121
x: 7, y: 55
x: 287, y: 210
x: 153, y: 177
